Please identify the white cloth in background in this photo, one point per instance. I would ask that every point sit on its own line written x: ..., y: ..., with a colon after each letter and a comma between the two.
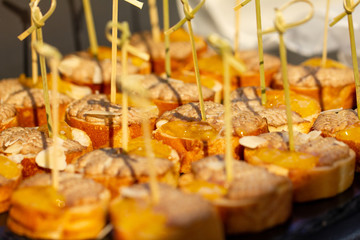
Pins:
x: 217, y: 16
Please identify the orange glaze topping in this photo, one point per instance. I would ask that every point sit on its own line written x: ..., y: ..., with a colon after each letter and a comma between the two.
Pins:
x: 194, y: 130
x: 42, y: 198
x: 8, y: 168
x: 303, y: 105
x: 285, y: 159
x: 350, y: 133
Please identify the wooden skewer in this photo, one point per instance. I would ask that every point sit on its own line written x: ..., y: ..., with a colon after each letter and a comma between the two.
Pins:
x: 126, y: 47
x: 189, y: 14
x: 91, y: 28
x: 228, y: 60
x: 154, y: 20
x: 115, y: 10
x: 38, y: 22
x: 114, y: 39
x: 237, y: 32
x: 167, y: 38
x: 324, y: 53
x: 349, y: 7
x: 260, y: 47
x: 133, y: 86
x: 54, y: 58
x: 34, y: 58
x: 280, y: 28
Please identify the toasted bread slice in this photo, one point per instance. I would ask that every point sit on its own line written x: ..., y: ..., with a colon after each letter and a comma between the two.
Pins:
x: 114, y: 169
x: 169, y: 94
x: 183, y: 130
x: 30, y: 106
x: 26, y: 146
x: 180, y: 49
x: 253, y: 201
x: 84, y: 70
x: 333, y: 87
x: 344, y: 125
x: 319, y: 167
x: 304, y: 109
x: 8, y: 116
x: 10, y: 177
x: 102, y: 120
x: 175, y: 216
x: 76, y: 210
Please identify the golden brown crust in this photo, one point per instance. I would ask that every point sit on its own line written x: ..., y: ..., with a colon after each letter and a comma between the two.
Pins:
x: 307, y: 76
x: 333, y: 88
x: 242, y: 208
x: 7, y: 186
x: 9, y: 86
x: 84, y: 70
x: 75, y: 189
x: 8, y: 116
x: 244, y: 122
x: 191, y: 149
x: 23, y: 145
x: 30, y: 106
x: 336, y: 165
x: 330, y: 122
x: 105, y: 131
x: 82, y: 216
x: 192, y: 218
x: 114, y: 169
x: 168, y: 94
x: 180, y: 49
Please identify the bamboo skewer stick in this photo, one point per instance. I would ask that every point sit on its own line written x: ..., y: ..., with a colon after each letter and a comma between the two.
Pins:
x: 237, y: 31
x: 126, y: 48
x: 54, y: 58
x: 349, y: 7
x: 115, y: 9
x: 34, y: 58
x: 133, y: 86
x: 154, y: 20
x: 189, y: 14
x: 325, y: 41
x: 228, y: 60
x: 91, y: 28
x: 114, y: 39
x: 38, y: 21
x: 280, y: 27
x: 260, y: 47
x: 167, y: 38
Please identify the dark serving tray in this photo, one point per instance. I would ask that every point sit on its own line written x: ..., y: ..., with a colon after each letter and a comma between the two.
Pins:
x: 313, y: 220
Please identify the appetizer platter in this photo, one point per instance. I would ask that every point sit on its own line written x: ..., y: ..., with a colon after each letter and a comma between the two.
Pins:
x: 171, y: 135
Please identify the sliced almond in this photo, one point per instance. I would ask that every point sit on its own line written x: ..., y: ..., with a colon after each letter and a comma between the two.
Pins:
x: 160, y: 123
x: 43, y: 159
x: 14, y: 148
x: 278, y: 170
x: 81, y: 137
x: 252, y: 141
x: 130, y: 192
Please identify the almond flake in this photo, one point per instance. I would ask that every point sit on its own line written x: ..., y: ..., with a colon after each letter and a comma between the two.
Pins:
x: 252, y: 141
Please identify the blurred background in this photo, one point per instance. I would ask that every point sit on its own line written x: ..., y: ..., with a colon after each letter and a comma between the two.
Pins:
x: 66, y: 28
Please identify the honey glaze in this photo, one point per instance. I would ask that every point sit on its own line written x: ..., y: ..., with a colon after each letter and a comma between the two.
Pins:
x: 136, y: 146
x: 350, y: 133
x: 134, y: 219
x: 303, y: 105
x: 8, y: 168
x: 41, y: 198
x: 286, y: 159
x: 194, y: 130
